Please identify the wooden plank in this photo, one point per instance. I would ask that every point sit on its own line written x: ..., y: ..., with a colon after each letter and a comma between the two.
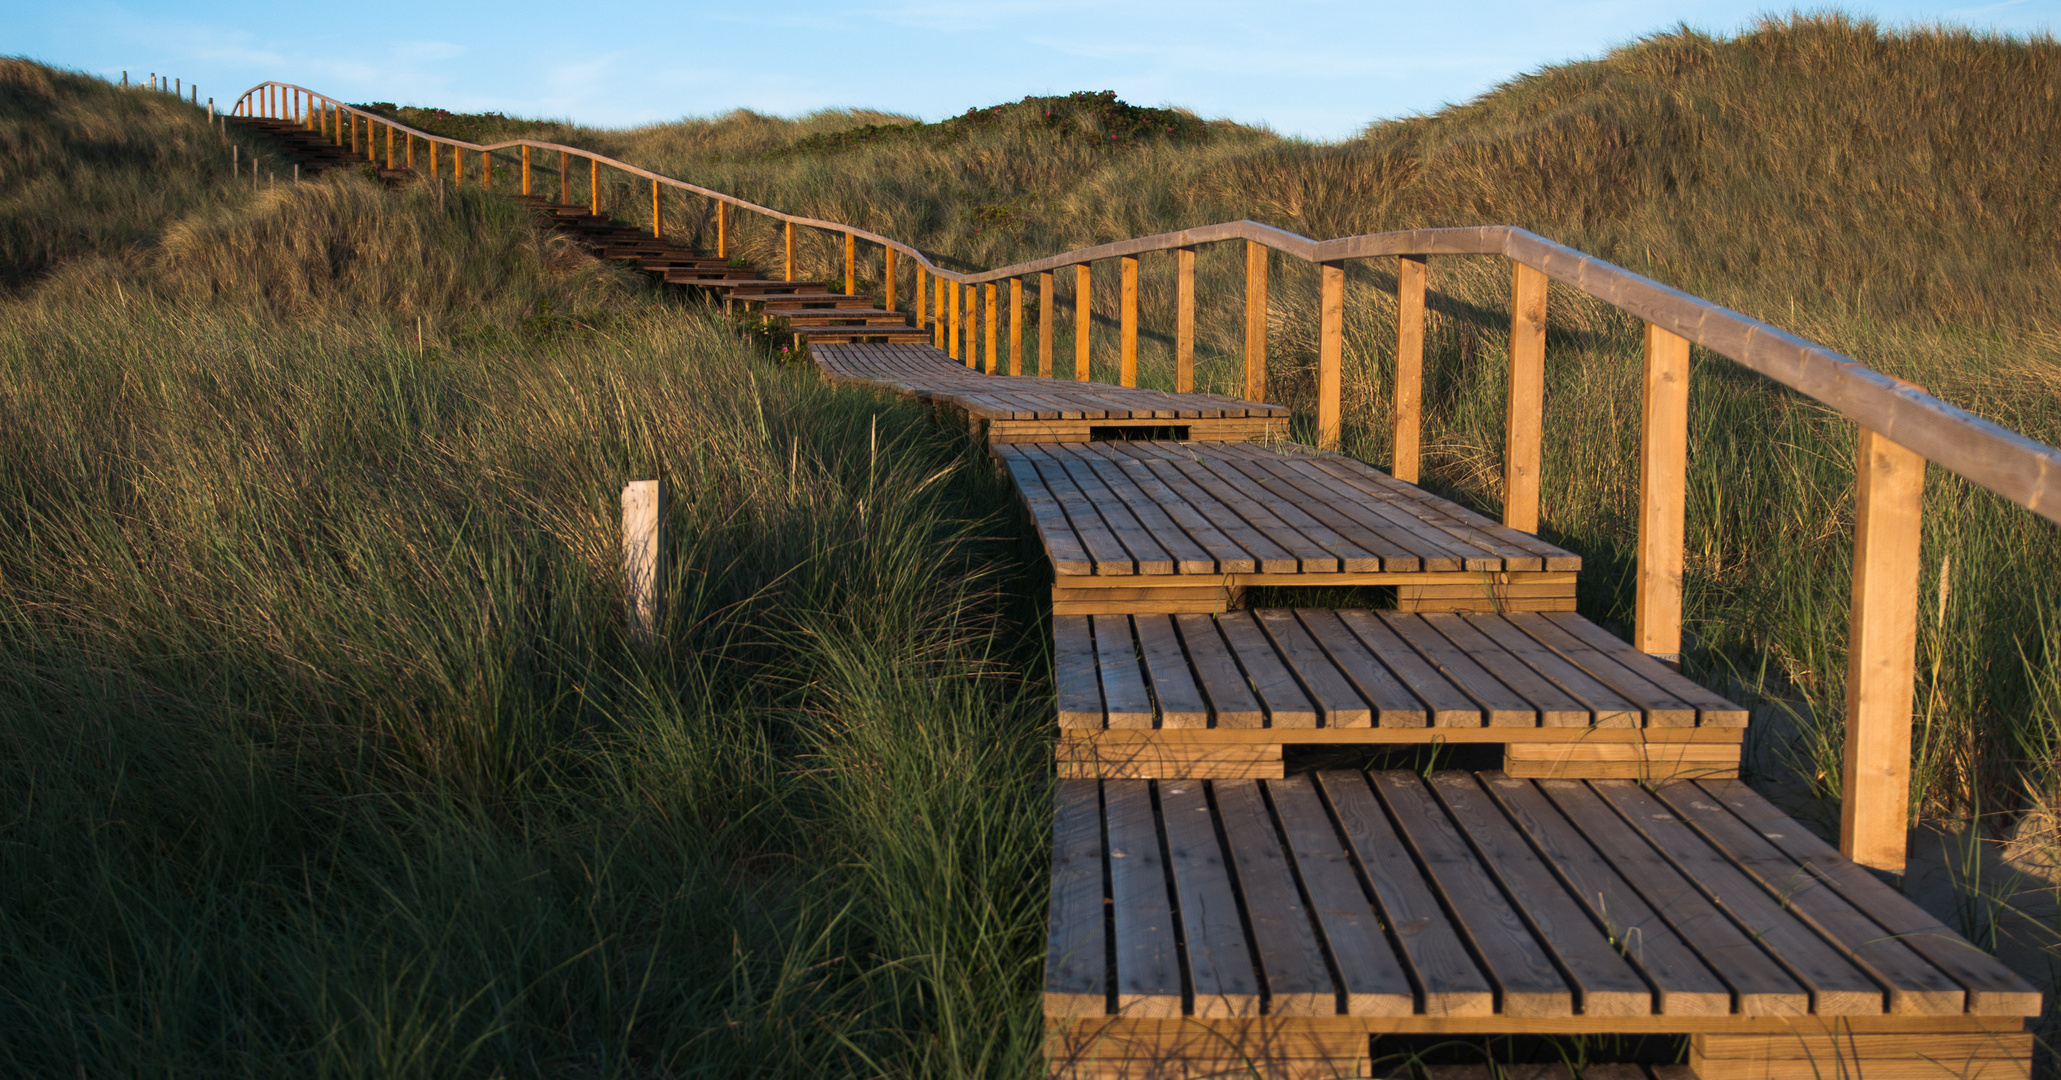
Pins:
x: 1500, y: 706
x: 1110, y: 556
x: 1853, y: 1048
x: 1078, y: 684
x: 1148, y: 967
x: 1663, y: 495
x: 1450, y: 981
x: 1076, y: 946
x: 1711, y: 709
x: 1837, y: 986
x: 1098, y: 757
x: 1255, y: 321
x: 1607, y: 707
x: 1087, y: 468
x: 1184, y: 320
x: 1123, y: 680
x: 1450, y: 707
x: 1133, y: 480
x: 1622, y: 761
x: 1127, y: 321
x: 1902, y: 1069
x: 1524, y: 421
x: 1234, y: 502
x: 1409, y: 367
x: 1393, y: 703
x: 1682, y: 983
x: 1330, y: 352
x: 1527, y: 982
x: 1761, y: 986
x: 1231, y: 702
x: 1338, y: 703
x: 1317, y: 514
x: 1372, y: 978
x: 1147, y: 554
x: 1083, y: 320
x: 1993, y: 989
x: 1346, y: 553
x: 1661, y: 709
x: 1915, y: 985
x: 1292, y: 965
x: 1062, y: 545
x: 1555, y: 707
x: 1220, y: 967
x: 1285, y: 704
x: 1603, y: 982
x: 1882, y: 639
x: 1180, y: 700
x: 1264, y: 555
x: 1517, y: 550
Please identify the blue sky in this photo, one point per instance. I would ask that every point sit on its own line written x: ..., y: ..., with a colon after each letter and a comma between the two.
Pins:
x: 1315, y: 68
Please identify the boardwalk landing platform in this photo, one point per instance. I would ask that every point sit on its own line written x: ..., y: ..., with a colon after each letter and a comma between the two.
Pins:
x: 1284, y: 926
x: 1170, y: 527
x: 1016, y: 409
x: 1205, y: 696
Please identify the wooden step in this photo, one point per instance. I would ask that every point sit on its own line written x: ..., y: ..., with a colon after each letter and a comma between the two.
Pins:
x: 1293, y: 919
x: 816, y: 334
x: 800, y: 317
x: 808, y: 301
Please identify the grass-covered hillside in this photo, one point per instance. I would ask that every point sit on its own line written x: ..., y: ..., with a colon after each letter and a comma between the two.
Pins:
x: 323, y: 751
x: 1892, y: 194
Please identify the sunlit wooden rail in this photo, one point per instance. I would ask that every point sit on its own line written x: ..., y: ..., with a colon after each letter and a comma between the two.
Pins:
x: 1173, y: 705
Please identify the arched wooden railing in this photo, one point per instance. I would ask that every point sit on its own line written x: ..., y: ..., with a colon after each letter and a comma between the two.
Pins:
x: 1902, y: 426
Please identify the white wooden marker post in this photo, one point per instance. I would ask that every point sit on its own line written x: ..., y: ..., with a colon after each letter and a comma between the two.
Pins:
x: 644, y: 572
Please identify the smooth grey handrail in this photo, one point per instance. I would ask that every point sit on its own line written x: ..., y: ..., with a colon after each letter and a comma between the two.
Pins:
x: 2020, y: 469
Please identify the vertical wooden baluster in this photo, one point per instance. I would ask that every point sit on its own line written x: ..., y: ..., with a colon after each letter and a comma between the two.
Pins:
x: 920, y: 296
x: 564, y: 179
x: 655, y: 212
x: 1046, y: 302
x: 887, y: 274
x: 390, y: 149
x: 952, y: 331
x: 972, y: 324
x: 594, y: 186
x: 486, y: 169
x: 1255, y: 321
x: 1127, y: 323
x: 722, y: 229
x: 851, y: 265
x: 408, y: 147
x: 1882, y: 641
x: 1411, y: 273
x: 1016, y: 326
x: 457, y: 164
x: 1663, y: 480
x: 429, y: 147
x: 1184, y: 320
x: 988, y: 301
x: 525, y: 170
x: 644, y: 558
x: 940, y: 322
x: 1083, y: 320
x: 1330, y: 354
x: 1524, y: 418
x: 789, y: 262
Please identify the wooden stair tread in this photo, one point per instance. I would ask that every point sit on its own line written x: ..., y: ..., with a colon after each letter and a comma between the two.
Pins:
x: 1532, y: 931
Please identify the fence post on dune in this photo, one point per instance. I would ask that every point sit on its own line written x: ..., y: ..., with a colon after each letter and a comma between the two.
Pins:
x: 1882, y: 641
x: 1083, y: 320
x: 988, y: 316
x: 1046, y: 299
x: 722, y: 229
x: 920, y: 295
x: 887, y: 275
x: 564, y: 178
x: 1184, y: 320
x: 973, y: 328
x: 1255, y: 321
x: 429, y: 147
x: 389, y: 146
x: 1524, y: 418
x: 525, y: 170
x: 940, y: 319
x: 788, y: 240
x: 1127, y: 323
x: 594, y: 186
x: 952, y: 328
x: 644, y: 570
x: 486, y: 169
x: 1663, y: 479
x: 655, y: 210
x: 1411, y: 274
x: 457, y: 164
x: 851, y: 265
x: 1330, y: 354
x: 1016, y: 326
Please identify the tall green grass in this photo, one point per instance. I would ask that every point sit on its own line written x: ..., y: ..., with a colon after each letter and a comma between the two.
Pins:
x: 326, y: 752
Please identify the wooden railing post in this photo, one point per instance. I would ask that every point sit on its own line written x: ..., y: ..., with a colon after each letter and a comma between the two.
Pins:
x: 644, y: 571
x: 972, y: 325
x: 1127, y: 324
x: 788, y: 240
x: 457, y: 164
x: 1524, y: 417
x: 1663, y: 497
x: 1411, y: 272
x: 594, y: 186
x: 722, y: 229
x: 920, y: 295
x: 486, y: 169
x: 987, y: 298
x: 1083, y: 319
x: 941, y: 318
x: 1330, y: 354
x: 1046, y: 300
x: 1882, y: 640
x: 851, y: 265
x: 525, y: 170
x: 1184, y: 320
x: 1016, y: 326
x: 656, y: 234
x: 408, y: 147
x: 1255, y: 321
x: 429, y: 147
x: 564, y: 178
x: 390, y: 155
x: 952, y: 328
x: 887, y: 274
